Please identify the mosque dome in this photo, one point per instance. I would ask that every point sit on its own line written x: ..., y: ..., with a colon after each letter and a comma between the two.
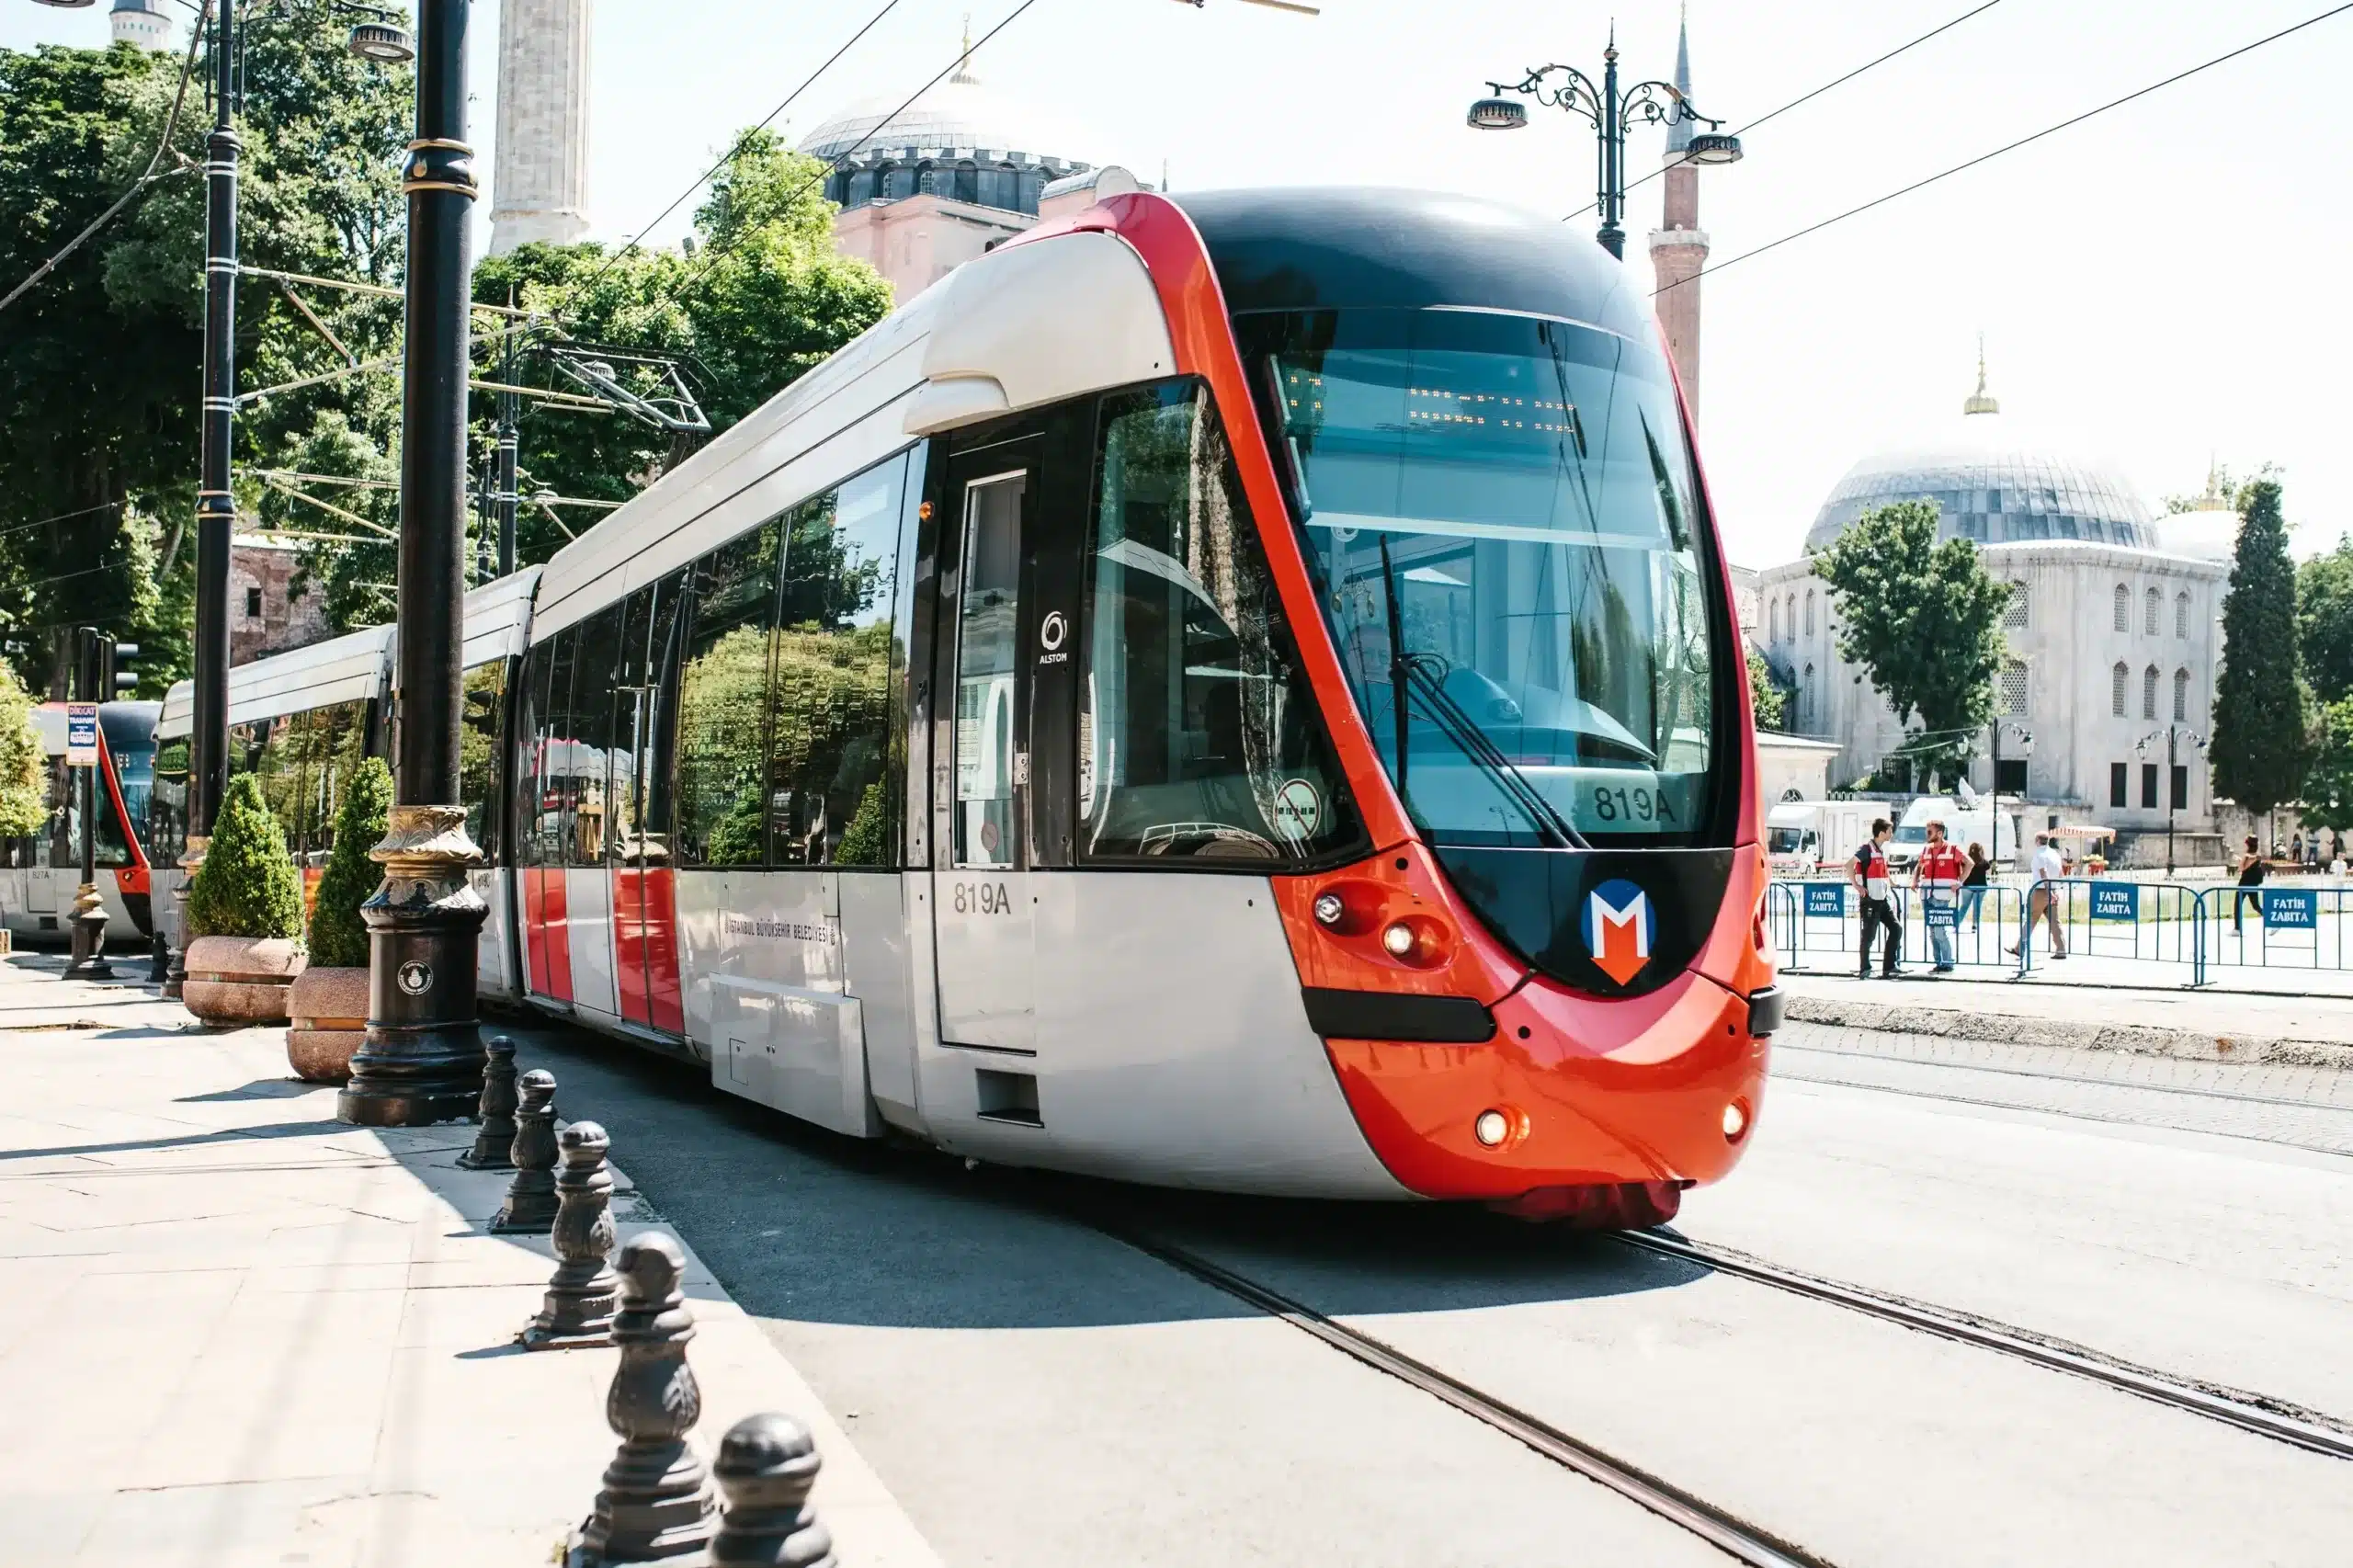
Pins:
x: 2207, y: 531
x: 1993, y: 483
x: 962, y: 140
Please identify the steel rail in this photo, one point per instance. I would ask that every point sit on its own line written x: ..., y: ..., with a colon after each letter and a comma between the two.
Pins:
x: 2259, y: 1414
x: 1735, y: 1537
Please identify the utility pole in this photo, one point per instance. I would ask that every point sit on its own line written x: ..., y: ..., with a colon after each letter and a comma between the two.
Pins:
x: 423, y: 1058
x: 216, y: 508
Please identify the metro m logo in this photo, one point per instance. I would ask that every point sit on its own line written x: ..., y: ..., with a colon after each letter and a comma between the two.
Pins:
x: 1620, y: 926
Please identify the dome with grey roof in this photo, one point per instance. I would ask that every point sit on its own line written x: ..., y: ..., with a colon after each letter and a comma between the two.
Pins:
x: 962, y: 141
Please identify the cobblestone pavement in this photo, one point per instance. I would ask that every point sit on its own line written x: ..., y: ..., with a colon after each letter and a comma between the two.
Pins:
x: 2305, y: 1107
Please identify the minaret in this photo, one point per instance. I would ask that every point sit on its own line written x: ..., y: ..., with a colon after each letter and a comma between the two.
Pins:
x: 540, y: 188
x: 141, y: 22
x: 1980, y: 400
x: 1680, y: 248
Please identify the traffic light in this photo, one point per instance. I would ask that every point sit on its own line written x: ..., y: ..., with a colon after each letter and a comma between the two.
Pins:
x: 98, y: 661
x: 117, y: 678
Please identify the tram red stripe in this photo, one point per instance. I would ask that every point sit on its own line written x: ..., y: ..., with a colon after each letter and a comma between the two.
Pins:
x: 660, y: 905
x: 629, y: 943
x: 554, y: 908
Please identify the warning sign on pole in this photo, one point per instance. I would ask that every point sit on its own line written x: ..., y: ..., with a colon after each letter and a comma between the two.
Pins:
x: 81, y: 734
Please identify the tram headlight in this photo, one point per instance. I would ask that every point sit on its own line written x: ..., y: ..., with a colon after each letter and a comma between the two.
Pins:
x: 1492, y: 1128
x: 1329, y: 910
x: 1735, y: 1121
x: 1398, y: 939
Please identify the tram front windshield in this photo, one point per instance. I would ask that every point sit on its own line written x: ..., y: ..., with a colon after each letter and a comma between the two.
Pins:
x: 1505, y: 517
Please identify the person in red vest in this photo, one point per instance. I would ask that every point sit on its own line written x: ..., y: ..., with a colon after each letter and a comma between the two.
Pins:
x: 1938, y: 874
x: 1870, y: 875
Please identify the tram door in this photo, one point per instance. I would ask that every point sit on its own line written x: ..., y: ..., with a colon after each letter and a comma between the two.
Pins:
x: 983, y: 918
x: 645, y: 965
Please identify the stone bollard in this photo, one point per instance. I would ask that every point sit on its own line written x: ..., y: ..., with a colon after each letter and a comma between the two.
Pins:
x: 494, y: 1145
x: 578, y: 1309
x: 767, y: 1465
x: 530, y: 1196
x: 656, y: 1501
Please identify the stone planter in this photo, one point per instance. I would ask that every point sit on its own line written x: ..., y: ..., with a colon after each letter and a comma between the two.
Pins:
x: 234, y: 982
x: 327, y: 1021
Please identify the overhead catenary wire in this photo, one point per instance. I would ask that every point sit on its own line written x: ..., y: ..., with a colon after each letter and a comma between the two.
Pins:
x: 2013, y: 146
x: 146, y: 177
x: 1809, y: 97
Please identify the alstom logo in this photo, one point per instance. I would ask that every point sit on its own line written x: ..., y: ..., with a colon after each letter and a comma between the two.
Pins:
x: 1619, y: 927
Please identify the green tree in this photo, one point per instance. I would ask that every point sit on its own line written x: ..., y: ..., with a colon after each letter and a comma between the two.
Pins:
x: 1923, y: 621
x: 247, y: 886
x: 24, y: 801
x: 2324, y: 622
x: 1768, y: 698
x: 339, y: 937
x: 2263, y: 719
x: 2328, y: 786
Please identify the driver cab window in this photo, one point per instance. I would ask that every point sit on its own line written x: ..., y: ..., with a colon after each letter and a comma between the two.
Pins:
x: 1198, y: 735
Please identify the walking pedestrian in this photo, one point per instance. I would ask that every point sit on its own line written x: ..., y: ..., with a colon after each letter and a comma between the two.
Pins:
x: 1869, y: 874
x: 1973, y: 884
x: 1938, y: 875
x: 2043, y: 897
x: 2251, y: 868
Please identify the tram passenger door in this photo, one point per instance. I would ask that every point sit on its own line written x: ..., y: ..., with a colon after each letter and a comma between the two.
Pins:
x: 645, y: 973
x: 982, y: 911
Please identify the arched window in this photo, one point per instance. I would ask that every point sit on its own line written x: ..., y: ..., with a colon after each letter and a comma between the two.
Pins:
x: 2120, y: 678
x: 1809, y: 612
x: 1773, y: 616
x: 2014, y: 617
x: 2181, y: 697
x: 1805, y: 701
x: 2123, y: 607
x: 2149, y: 692
x: 928, y: 179
x: 968, y: 182
x: 2014, y: 689
x: 2181, y: 615
x: 2152, y: 619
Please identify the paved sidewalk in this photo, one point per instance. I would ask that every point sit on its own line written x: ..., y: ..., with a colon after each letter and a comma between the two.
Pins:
x: 2302, y: 1031
x: 238, y: 1332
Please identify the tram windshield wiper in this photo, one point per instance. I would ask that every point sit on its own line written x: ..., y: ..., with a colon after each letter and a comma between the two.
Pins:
x: 1424, y: 676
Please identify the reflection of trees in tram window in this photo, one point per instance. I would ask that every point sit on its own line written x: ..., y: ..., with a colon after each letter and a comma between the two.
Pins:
x: 722, y: 704
x: 485, y: 705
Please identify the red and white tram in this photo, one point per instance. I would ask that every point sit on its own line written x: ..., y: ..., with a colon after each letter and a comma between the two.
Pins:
x: 1236, y: 692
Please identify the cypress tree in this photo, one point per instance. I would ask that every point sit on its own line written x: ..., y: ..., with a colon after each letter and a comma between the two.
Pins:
x: 2262, y: 711
x: 247, y: 886
x: 339, y: 937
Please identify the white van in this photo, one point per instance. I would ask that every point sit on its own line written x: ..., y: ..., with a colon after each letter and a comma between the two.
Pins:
x: 1966, y: 822
x: 1803, y: 836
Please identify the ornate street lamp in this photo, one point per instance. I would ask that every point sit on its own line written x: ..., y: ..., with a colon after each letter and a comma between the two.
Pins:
x: 423, y: 1059
x: 1609, y: 111
x: 2173, y: 735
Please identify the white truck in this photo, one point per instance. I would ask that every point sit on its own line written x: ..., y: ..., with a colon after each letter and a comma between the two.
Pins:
x: 1969, y: 819
x: 1803, y: 837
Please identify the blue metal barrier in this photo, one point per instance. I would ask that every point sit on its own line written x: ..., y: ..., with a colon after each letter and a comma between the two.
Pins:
x: 1807, y: 921
x: 2296, y: 927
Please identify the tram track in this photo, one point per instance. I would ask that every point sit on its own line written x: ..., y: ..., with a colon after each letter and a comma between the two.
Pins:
x: 1736, y: 1537
x: 2262, y: 1415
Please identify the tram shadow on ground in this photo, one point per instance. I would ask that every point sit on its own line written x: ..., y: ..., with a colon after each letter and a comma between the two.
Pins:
x: 803, y: 1224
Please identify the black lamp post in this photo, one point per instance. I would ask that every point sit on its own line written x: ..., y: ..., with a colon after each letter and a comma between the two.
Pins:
x: 423, y: 1059
x: 2026, y: 736
x: 2175, y: 734
x: 1609, y: 111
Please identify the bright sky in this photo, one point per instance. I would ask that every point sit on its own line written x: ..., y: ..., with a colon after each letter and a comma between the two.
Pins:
x: 2156, y: 285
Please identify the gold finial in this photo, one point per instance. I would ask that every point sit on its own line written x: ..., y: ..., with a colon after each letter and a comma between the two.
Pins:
x: 2215, y: 500
x: 964, y: 64
x: 1980, y: 402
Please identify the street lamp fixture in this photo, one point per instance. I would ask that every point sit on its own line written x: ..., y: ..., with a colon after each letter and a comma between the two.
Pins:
x: 1609, y: 111
x: 383, y: 43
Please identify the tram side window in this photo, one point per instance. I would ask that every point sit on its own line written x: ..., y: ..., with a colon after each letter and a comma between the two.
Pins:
x: 1198, y: 734
x: 833, y: 794
x: 722, y: 702
x: 597, y: 642
x: 558, y: 789
x: 483, y: 724
x: 533, y: 810
x: 65, y: 819
x: 166, y: 827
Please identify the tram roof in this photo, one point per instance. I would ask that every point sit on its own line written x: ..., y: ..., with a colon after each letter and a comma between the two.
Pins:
x: 1373, y: 247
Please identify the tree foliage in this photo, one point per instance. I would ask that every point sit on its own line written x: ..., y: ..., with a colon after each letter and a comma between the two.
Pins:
x: 2324, y: 622
x: 2328, y: 786
x: 248, y: 885
x: 24, y: 799
x: 339, y: 937
x: 100, y: 388
x: 2263, y: 719
x: 1923, y: 622
x: 1768, y: 698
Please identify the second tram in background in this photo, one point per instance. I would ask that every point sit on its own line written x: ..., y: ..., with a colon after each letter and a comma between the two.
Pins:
x: 1238, y: 691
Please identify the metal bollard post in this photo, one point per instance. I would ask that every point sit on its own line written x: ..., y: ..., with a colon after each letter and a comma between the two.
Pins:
x: 530, y: 1196
x: 578, y: 1307
x: 656, y: 1501
x: 767, y: 1465
x: 159, y: 961
x: 494, y: 1145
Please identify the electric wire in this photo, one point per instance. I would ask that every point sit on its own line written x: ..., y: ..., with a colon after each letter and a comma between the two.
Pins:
x: 1808, y: 97
x: 732, y: 154
x: 711, y: 252
x: 61, y: 517
x: 2013, y: 146
x: 146, y: 177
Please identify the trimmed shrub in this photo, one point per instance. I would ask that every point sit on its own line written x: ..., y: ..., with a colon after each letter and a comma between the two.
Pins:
x: 24, y: 797
x: 248, y: 886
x: 339, y: 937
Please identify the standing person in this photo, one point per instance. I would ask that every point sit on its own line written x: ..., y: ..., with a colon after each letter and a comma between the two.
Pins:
x: 1869, y: 874
x: 1938, y: 875
x: 2250, y: 881
x: 1973, y: 883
